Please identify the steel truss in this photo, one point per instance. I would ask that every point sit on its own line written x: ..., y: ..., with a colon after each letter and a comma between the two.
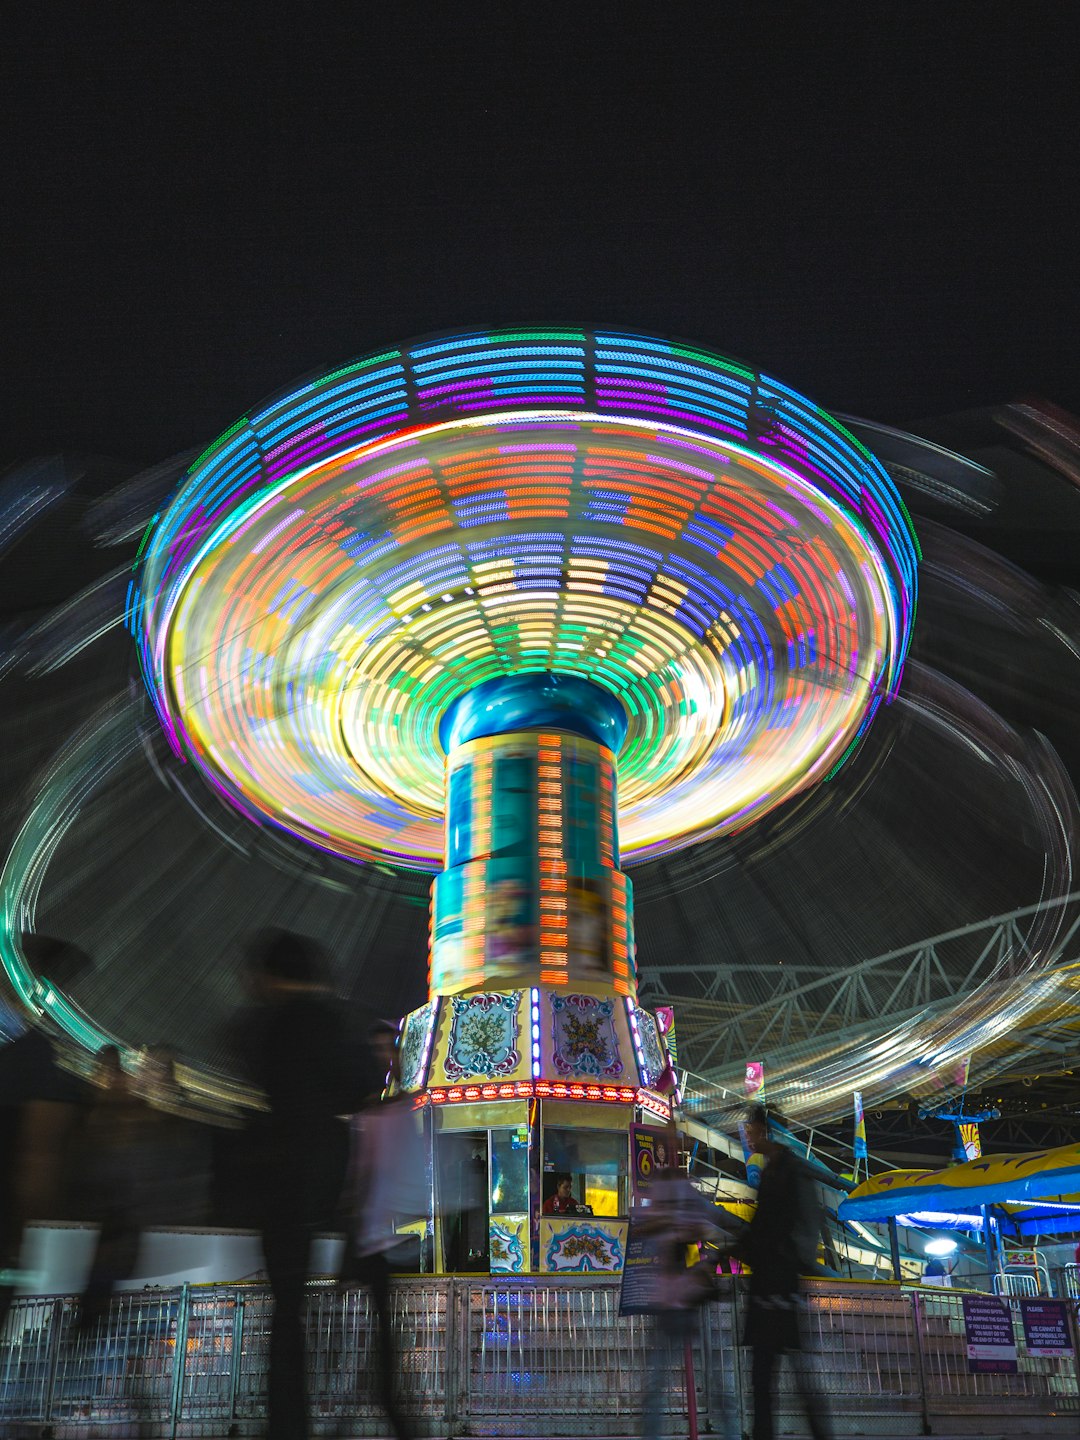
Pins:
x: 718, y: 1032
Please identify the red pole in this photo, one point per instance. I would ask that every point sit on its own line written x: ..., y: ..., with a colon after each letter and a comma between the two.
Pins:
x: 691, y: 1388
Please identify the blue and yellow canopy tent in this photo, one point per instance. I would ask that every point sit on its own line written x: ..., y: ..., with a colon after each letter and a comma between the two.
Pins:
x: 1031, y: 1194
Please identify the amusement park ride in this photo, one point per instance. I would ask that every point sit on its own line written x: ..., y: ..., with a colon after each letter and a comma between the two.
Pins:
x: 521, y: 609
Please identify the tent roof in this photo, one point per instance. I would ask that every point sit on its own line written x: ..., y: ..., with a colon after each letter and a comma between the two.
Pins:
x: 1052, y: 1175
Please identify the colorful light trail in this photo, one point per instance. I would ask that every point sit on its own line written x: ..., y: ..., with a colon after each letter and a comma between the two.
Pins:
x: 694, y: 537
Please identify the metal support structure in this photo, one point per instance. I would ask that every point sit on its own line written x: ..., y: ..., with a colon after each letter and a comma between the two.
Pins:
x: 718, y: 1030
x: 183, y: 1316
x: 919, y: 1347
x: 989, y: 1242
x: 894, y: 1249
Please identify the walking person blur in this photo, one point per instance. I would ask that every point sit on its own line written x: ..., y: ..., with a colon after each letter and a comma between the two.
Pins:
x: 293, y: 1044
x: 678, y: 1217
x: 780, y: 1245
x: 387, y: 1185
x: 109, y: 1156
x: 40, y: 1102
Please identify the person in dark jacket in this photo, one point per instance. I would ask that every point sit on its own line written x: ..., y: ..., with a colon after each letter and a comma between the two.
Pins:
x: 780, y: 1246
x: 40, y: 1104
x: 294, y: 1045
x: 678, y: 1217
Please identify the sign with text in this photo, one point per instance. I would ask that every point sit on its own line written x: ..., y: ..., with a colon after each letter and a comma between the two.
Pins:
x: 1046, y: 1327
x: 641, y: 1272
x: 988, y: 1326
x: 650, y: 1150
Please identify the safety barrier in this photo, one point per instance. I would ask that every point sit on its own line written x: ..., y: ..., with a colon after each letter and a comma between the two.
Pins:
x: 492, y: 1357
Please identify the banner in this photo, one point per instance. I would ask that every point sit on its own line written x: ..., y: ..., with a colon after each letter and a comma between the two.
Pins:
x: 861, y: 1152
x: 665, y: 1019
x: 988, y: 1327
x: 650, y: 1150
x: 755, y: 1080
x: 1046, y: 1327
x: 961, y: 1073
x: 969, y: 1143
x: 642, y: 1271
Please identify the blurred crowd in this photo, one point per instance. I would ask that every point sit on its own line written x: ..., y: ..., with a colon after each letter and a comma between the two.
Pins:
x: 120, y: 1148
x: 336, y: 1146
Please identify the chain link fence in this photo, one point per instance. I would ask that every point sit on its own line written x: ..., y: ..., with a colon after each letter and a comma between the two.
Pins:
x: 483, y: 1357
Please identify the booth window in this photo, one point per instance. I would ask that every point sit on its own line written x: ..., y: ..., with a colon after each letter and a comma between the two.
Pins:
x: 597, y: 1162
x: 510, y: 1171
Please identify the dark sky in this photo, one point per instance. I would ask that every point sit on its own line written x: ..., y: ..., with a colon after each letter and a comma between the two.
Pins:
x: 204, y: 202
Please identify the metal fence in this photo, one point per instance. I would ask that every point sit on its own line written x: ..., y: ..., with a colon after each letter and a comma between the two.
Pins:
x: 486, y: 1357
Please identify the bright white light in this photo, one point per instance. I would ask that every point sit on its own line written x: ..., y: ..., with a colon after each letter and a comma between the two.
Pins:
x: 940, y: 1246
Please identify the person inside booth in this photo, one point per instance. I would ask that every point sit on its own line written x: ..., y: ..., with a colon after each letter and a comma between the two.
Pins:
x: 562, y: 1202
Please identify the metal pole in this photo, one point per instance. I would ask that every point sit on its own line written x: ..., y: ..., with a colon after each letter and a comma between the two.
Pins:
x: 179, y: 1358
x: 1074, y: 1336
x: 691, y: 1387
x: 920, y: 1359
x: 455, y: 1408
x: 894, y: 1248
x: 237, y: 1353
x: 736, y: 1359
x: 53, y: 1363
x: 988, y: 1245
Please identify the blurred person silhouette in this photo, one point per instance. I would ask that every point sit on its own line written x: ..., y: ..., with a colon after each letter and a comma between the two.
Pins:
x: 387, y: 1185
x: 780, y: 1245
x: 40, y: 1102
x: 937, y: 1272
x: 679, y: 1221
x: 109, y: 1154
x: 176, y: 1159
x: 293, y: 1044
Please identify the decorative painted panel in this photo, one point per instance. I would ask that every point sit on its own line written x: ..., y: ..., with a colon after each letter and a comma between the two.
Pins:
x: 570, y: 1246
x: 484, y: 1034
x: 508, y: 1243
x: 584, y: 1042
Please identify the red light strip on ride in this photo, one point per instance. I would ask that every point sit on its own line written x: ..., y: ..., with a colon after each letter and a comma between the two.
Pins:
x: 549, y: 1090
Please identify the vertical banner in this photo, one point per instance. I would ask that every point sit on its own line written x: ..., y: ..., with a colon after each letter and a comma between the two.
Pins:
x: 755, y: 1091
x: 961, y: 1073
x: 665, y: 1023
x: 968, y: 1142
x: 859, y: 1147
x: 988, y: 1328
x: 755, y: 1080
x: 665, y: 1019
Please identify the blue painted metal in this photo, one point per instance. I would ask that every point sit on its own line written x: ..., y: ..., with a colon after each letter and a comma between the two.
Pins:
x: 541, y: 700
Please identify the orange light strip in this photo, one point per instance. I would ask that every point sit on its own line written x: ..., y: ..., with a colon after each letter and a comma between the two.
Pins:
x: 550, y: 833
x: 475, y: 914
x: 550, y: 1090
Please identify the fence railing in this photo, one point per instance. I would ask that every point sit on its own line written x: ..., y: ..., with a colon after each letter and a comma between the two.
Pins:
x: 485, y: 1357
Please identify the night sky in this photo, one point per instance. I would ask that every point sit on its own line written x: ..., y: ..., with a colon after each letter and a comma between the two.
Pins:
x: 876, y: 204
x: 205, y: 202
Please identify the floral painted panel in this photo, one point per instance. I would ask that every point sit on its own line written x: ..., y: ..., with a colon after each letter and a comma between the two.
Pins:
x: 507, y: 1237
x: 586, y: 1246
x: 484, y: 1035
x: 584, y: 1042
